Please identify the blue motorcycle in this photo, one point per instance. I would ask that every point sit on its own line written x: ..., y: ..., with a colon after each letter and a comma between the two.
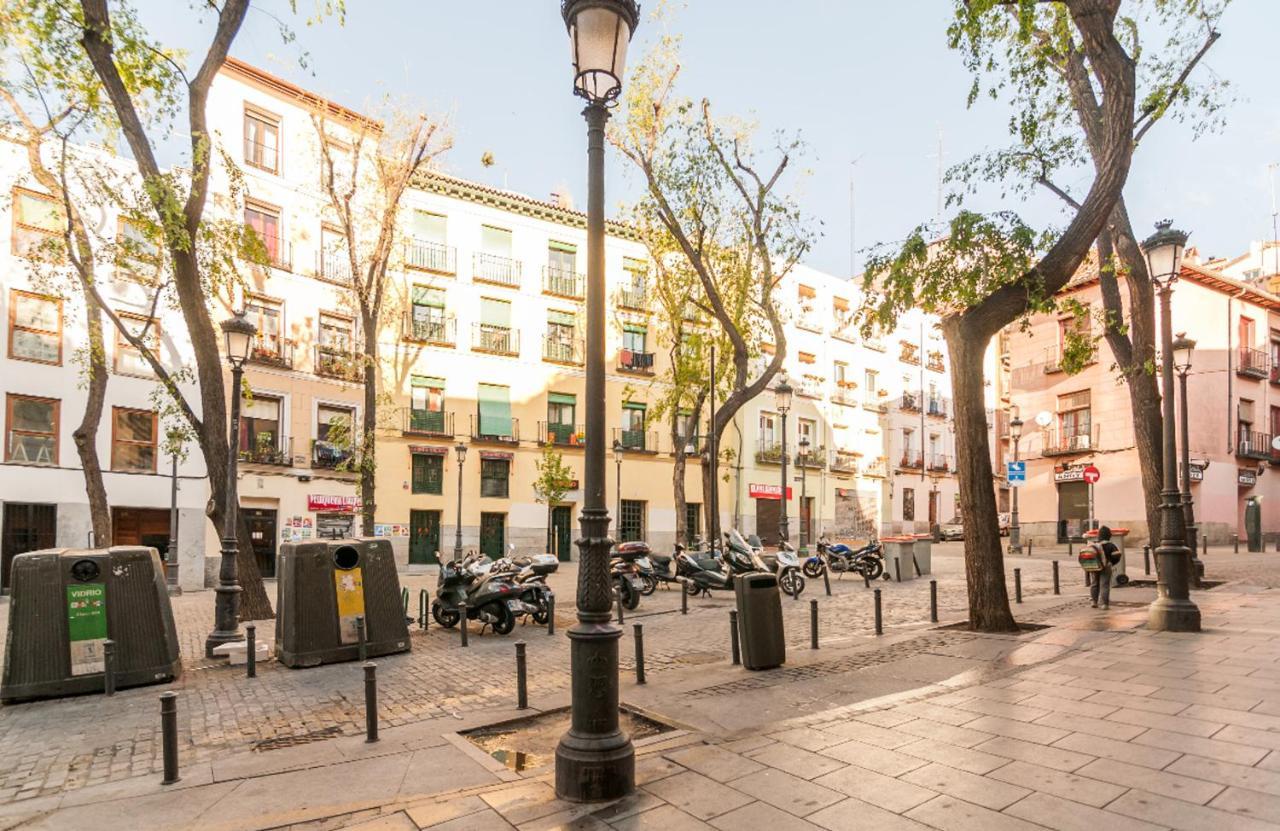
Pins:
x: 867, y: 560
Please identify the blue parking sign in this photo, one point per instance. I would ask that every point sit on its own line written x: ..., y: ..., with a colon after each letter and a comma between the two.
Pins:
x: 1016, y: 473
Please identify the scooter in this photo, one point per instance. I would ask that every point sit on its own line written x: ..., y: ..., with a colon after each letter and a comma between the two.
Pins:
x: 707, y: 574
x: 642, y: 557
x: 491, y: 599
x: 530, y: 575
x: 625, y: 574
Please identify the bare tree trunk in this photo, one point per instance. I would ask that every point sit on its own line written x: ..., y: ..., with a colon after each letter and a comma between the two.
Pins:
x: 983, y: 557
x: 86, y: 434
x: 369, y: 419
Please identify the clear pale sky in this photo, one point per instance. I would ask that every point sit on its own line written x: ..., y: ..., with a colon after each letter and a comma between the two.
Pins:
x: 860, y: 79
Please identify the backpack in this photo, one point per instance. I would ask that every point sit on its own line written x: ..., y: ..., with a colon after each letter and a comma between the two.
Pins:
x: 1091, y: 557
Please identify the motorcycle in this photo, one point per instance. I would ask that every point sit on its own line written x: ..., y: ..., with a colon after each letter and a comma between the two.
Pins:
x: 530, y: 575
x: 491, y: 599
x: 786, y: 566
x: 625, y: 574
x: 707, y: 574
x: 867, y: 560
x: 642, y: 557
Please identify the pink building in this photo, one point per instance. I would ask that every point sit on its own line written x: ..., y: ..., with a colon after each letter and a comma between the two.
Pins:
x: 1073, y: 421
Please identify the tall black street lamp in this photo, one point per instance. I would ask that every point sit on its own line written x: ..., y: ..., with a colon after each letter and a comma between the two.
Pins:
x: 1183, y: 347
x: 782, y: 401
x: 461, y: 450
x: 1173, y: 610
x: 595, y: 760
x: 1015, y: 528
x: 239, y: 334
x: 802, y: 459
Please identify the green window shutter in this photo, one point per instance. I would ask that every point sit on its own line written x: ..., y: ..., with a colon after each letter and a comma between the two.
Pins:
x: 495, y: 240
x: 495, y: 410
x: 632, y: 406
x: 495, y: 312
x: 561, y: 398
x: 430, y: 227
x: 632, y: 264
x: 566, y: 247
x: 635, y: 329
x: 561, y: 318
x: 427, y: 296
x: 426, y: 381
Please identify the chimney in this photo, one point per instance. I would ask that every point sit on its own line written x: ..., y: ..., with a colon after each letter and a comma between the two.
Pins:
x: 561, y: 197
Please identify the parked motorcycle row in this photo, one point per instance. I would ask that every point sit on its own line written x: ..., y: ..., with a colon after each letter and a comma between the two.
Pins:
x: 499, y: 592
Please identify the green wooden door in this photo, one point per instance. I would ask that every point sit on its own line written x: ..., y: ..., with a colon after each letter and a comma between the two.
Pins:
x: 424, y: 537
x: 493, y: 535
x: 562, y: 532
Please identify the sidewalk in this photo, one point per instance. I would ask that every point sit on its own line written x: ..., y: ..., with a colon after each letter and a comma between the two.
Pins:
x: 1093, y: 723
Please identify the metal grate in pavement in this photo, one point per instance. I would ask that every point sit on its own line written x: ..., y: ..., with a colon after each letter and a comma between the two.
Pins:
x: 280, y: 742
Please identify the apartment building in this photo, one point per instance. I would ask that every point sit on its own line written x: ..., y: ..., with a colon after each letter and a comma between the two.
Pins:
x: 1076, y: 420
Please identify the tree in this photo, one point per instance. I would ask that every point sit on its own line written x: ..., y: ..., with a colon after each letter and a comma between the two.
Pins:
x: 553, y: 482
x: 727, y: 219
x: 1059, y: 130
x: 989, y: 271
x: 366, y: 166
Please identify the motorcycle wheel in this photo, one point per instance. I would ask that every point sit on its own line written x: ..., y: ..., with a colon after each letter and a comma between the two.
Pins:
x: 874, y: 568
x: 446, y: 618
x: 506, y: 619
x: 649, y: 584
x: 791, y: 582
x: 813, y: 569
x: 541, y: 615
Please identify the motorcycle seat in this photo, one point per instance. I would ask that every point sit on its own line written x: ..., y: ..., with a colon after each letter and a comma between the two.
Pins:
x: 544, y: 568
x: 660, y: 559
x: 707, y: 563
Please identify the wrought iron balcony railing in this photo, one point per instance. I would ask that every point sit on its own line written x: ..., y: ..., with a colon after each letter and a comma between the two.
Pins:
x: 272, y: 350
x: 563, y: 435
x: 431, y: 256
x: 644, y: 441
x: 562, y: 282
x: 338, y: 362
x: 495, y: 269
x: 267, y: 449
x: 492, y: 429
x: 428, y: 423
x: 436, y: 329
x: 558, y: 350
x: 495, y: 340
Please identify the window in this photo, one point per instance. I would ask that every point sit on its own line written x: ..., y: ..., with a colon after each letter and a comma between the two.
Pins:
x: 35, y: 327
x: 692, y: 521
x: 32, y: 430
x: 428, y: 249
x: 495, y: 411
x: 562, y: 414
x: 428, y: 227
x: 264, y: 221
x: 633, y: 416
x: 262, y: 140
x: 495, y: 241
x: 634, y: 338
x: 268, y: 316
x: 870, y: 381
x: 1244, y: 425
x: 426, y: 404
x: 687, y: 424
x: 428, y: 321
x: 1072, y: 325
x: 562, y: 333
x: 260, y: 439
x: 129, y: 359
x: 495, y: 477
x: 335, y: 333
x: 428, y: 473
x: 768, y: 429
x: 908, y: 504
x: 493, y: 260
x: 1246, y: 332
x: 495, y: 327
x: 840, y: 373
x: 133, y: 440
x: 335, y: 261
x: 137, y: 253
x: 562, y: 260
x: 631, y: 523
x: 1074, y: 421
x: 37, y: 219
x: 334, y: 424
x: 807, y: 429
x: 634, y: 354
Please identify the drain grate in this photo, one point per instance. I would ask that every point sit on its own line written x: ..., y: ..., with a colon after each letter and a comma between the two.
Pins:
x: 280, y: 742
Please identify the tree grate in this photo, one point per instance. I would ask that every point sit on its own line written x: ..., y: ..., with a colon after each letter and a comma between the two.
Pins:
x: 280, y: 742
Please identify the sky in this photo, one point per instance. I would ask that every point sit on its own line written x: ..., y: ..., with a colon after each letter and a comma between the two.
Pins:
x: 859, y: 80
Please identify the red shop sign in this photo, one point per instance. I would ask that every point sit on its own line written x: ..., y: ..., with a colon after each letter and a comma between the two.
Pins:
x: 333, y: 504
x: 428, y: 450
x: 766, y: 491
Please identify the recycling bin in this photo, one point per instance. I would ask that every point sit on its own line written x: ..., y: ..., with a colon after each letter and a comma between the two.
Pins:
x: 67, y: 603
x: 760, y: 634
x: 898, y: 552
x: 323, y: 587
x: 923, y: 550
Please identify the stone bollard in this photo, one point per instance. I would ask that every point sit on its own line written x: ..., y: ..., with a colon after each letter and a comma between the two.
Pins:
x: 826, y: 578
x: 551, y: 615
x: 1146, y: 559
x: 424, y: 612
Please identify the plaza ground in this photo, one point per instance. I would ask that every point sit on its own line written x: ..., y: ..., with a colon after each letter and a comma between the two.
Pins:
x: 1090, y: 721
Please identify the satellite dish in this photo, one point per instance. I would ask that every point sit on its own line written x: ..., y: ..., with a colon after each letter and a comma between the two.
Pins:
x: 1275, y: 443
x: 1044, y: 418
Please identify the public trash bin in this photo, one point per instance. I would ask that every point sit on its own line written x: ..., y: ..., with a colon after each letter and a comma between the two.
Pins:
x: 1253, y: 523
x: 760, y: 631
x: 67, y: 603
x: 898, y: 553
x: 323, y: 587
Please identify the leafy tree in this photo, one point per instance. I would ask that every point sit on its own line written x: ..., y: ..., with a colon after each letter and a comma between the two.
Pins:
x: 989, y: 271
x: 1058, y: 131
x: 554, y: 479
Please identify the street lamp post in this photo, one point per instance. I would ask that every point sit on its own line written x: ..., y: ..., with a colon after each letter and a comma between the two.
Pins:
x: 461, y: 450
x: 238, y: 333
x: 1183, y: 347
x: 171, y: 555
x: 595, y: 760
x: 1015, y: 529
x: 1173, y: 610
x: 782, y: 400
x: 617, y: 485
x: 802, y: 459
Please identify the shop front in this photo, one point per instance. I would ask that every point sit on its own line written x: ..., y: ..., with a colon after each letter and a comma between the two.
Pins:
x: 768, y: 501
x: 335, y: 515
x: 1073, y: 502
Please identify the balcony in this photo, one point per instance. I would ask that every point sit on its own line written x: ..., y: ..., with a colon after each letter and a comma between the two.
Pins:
x: 1059, y: 442
x: 911, y: 460
x: 937, y: 408
x: 276, y: 252
x: 433, y: 330
x: 562, y: 435
x: 338, y: 362
x: 326, y: 456
x: 876, y: 401
x: 812, y: 459
x: 431, y: 256
x: 844, y: 462
x: 495, y: 340
x: 561, y: 282
x: 1254, y: 363
x: 498, y: 430
x: 940, y: 463
x: 634, y: 297
x: 910, y: 403
x: 1253, y: 445
x: 492, y: 268
x: 808, y: 320
x: 268, y: 449
x: 271, y: 350
x: 935, y: 362
x: 844, y: 395
x: 636, y: 441
x: 876, y: 468
x: 876, y: 344
x: 637, y: 362
x: 768, y: 452
x: 435, y: 423
x: 558, y: 350
x: 334, y: 266
x: 909, y: 353
x: 809, y: 386
x: 1053, y: 358
x: 845, y: 329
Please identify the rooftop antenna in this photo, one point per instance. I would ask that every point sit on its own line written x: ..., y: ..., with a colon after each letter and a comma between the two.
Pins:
x: 853, y: 249
x: 941, y: 155
x: 1275, y: 221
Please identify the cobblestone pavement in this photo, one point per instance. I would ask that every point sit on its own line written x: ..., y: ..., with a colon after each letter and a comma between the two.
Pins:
x: 50, y: 747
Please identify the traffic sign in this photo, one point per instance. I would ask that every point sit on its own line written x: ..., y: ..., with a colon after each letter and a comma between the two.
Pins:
x: 1016, y: 473
x: 1092, y: 474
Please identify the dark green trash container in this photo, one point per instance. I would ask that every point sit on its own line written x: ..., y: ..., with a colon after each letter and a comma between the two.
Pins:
x: 66, y: 603
x: 323, y: 587
x: 760, y: 630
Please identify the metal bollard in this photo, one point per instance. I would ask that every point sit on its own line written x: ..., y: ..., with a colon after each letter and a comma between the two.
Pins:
x: 795, y: 585
x: 462, y: 622
x: 1070, y: 549
x: 1028, y: 546
x: 370, y: 702
x: 360, y: 638
x: 639, y: 635
x: 424, y: 613
x: 404, y: 601
x: 897, y: 570
x: 879, y: 615
x: 169, y: 736
x: 109, y: 667
x: 826, y: 580
x: 933, y: 601
x: 620, y: 615
x: 1056, y: 588
x: 522, y: 677
x: 1146, y: 559
x: 866, y: 579
x: 1204, y: 546
x: 551, y: 615
x: 251, y: 650
x: 733, y: 637
x: 813, y: 624
x: 1235, y: 543
x: 1017, y: 585
x: 684, y: 598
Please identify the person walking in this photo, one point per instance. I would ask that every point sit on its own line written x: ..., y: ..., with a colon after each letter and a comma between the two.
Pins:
x: 1100, y: 580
